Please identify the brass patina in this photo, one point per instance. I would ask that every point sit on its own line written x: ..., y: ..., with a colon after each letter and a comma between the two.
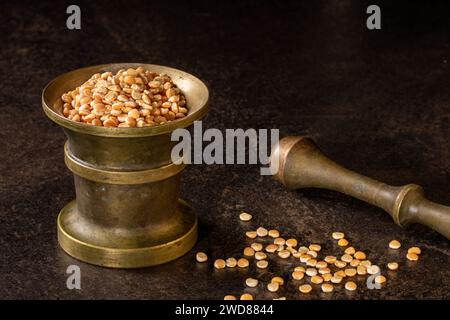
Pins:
x: 127, y: 213
x: 303, y: 165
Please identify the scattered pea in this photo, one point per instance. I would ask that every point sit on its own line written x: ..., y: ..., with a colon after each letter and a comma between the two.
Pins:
x: 201, y: 257
x: 305, y: 288
x: 279, y: 280
x: 229, y: 297
x: 316, y: 279
x: 219, y: 264
x: 327, y: 287
x: 260, y: 255
x: 256, y: 246
x: 350, y: 286
x: 279, y: 241
x: 350, y: 272
x: 350, y: 250
x: 394, y: 244
x: 342, y: 242
x: 359, y: 255
x: 273, y: 286
x: 340, y: 264
x: 246, y: 296
x: 412, y: 256
x: 251, y: 282
x: 336, y: 279
x: 312, y: 253
x: 244, y: 216
x: 330, y: 259
x: 242, y: 263
x: 392, y: 265
x: 249, y: 252
x: 325, y: 270
x: 298, y: 275
x: 251, y: 234
x: 274, y: 233
x: 311, y: 262
x: 338, y: 235
x: 271, y: 248
x: 315, y: 247
x: 262, y: 264
x: 284, y: 254
x: 355, y: 262
x: 261, y: 232
x: 347, y: 258
x: 380, y: 279
x: 361, y: 270
x: 327, y: 277
x: 231, y: 262
x: 311, y: 272
x: 300, y: 268
x: 291, y: 243
x: 415, y: 250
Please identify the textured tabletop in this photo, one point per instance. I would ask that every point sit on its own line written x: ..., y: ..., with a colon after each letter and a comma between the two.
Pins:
x: 377, y: 102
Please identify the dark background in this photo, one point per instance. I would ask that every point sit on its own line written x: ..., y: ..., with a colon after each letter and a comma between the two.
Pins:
x: 375, y: 101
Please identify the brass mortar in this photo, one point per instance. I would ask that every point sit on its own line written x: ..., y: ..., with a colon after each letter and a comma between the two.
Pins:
x: 127, y: 213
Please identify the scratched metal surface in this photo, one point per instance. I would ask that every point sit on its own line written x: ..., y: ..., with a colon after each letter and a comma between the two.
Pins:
x: 377, y: 102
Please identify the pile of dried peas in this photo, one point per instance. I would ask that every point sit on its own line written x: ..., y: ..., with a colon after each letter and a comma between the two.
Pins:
x: 353, y: 262
x: 130, y: 98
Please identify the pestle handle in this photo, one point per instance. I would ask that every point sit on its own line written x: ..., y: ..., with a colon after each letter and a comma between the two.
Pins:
x: 302, y: 165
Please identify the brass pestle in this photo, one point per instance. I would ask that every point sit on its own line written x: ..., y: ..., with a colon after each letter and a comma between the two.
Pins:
x: 303, y: 165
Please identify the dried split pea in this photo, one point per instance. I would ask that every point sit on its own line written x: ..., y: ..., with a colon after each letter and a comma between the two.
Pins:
x: 231, y: 262
x: 271, y: 248
x: 350, y: 250
x: 305, y: 258
x: 338, y: 235
x: 298, y: 275
x: 366, y: 263
x: 316, y: 279
x: 324, y: 271
x: 340, y: 274
x: 321, y: 264
x: 246, y: 296
x: 262, y: 264
x: 251, y: 234
x: 274, y: 233
x: 229, y: 297
x: 256, y: 246
x: 315, y: 247
x: 347, y: 258
x: 305, y: 288
x: 359, y: 255
x: 361, y: 270
x: 336, y: 279
x: 327, y: 287
x: 415, y: 250
x: 279, y: 241
x: 340, y: 264
x: 373, y: 269
x: 291, y: 243
x: 261, y: 232
x: 342, y: 242
x: 394, y: 244
x: 303, y: 249
x: 273, y: 286
x: 312, y: 253
x: 330, y: 259
x: 311, y: 262
x: 219, y: 264
x: 355, y: 262
x: 249, y: 252
x: 392, y: 265
x: 350, y: 286
x: 311, y: 272
x: 251, y: 282
x: 201, y: 257
x: 242, y: 263
x: 412, y: 256
x: 300, y: 268
x: 284, y: 254
x: 380, y: 279
x: 260, y: 255
x: 327, y: 277
x: 244, y: 216
x: 350, y: 272
x: 279, y: 280
x: 280, y: 298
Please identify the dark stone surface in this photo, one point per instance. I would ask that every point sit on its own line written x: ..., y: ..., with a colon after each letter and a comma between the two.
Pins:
x: 377, y: 102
